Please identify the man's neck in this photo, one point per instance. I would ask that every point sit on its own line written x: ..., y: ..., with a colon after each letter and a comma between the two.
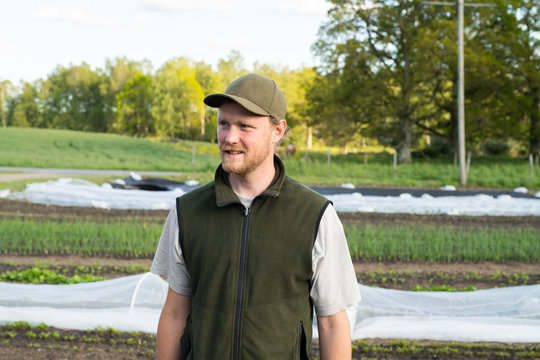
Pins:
x: 253, y: 184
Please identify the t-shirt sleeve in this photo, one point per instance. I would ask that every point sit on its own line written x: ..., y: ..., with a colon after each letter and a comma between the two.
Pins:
x: 168, y: 259
x: 334, y: 284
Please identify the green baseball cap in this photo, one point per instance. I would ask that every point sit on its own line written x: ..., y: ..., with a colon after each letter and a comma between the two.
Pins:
x: 255, y: 93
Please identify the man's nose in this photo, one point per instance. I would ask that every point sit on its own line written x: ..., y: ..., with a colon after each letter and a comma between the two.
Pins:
x: 232, y: 136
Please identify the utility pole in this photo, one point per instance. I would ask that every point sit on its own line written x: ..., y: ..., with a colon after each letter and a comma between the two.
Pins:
x: 461, y: 82
x: 461, y: 97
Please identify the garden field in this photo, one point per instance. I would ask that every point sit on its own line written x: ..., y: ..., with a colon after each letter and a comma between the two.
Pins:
x: 111, y: 243
x: 65, y: 245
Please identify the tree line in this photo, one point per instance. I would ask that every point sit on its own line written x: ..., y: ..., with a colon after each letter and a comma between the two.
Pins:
x: 386, y: 72
x: 127, y: 97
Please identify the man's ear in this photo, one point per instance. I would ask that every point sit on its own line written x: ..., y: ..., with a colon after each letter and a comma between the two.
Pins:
x: 279, y: 130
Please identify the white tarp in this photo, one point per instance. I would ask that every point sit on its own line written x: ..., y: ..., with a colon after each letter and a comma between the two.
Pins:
x: 74, y: 192
x: 510, y: 314
x: 133, y: 303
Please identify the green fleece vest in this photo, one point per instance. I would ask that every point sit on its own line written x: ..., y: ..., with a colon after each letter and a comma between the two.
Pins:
x: 250, y: 269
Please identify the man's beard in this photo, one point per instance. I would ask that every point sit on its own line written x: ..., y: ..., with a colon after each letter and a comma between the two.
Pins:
x: 248, y: 162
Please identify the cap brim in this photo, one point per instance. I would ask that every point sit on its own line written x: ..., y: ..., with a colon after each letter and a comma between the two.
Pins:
x: 215, y: 100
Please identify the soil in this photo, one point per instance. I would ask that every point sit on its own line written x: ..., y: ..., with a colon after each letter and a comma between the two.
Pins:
x: 25, y: 343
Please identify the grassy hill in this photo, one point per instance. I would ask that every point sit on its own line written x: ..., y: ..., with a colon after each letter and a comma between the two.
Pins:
x: 30, y: 147
x: 42, y: 148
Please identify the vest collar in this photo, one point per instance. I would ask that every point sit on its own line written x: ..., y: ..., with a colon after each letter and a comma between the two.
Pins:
x: 225, y: 195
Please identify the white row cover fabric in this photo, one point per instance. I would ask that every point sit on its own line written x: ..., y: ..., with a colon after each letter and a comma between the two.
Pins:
x: 131, y: 303
x: 134, y: 303
x: 510, y: 314
x: 75, y: 192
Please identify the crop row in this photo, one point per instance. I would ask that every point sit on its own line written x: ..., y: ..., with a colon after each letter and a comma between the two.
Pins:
x: 439, y: 280
x: 22, y: 334
x: 42, y: 273
x: 71, y: 270
x: 127, y: 238
x: 444, y: 244
x: 138, y: 239
x: 451, y: 350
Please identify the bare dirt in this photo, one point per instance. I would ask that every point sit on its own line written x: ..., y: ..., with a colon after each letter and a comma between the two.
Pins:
x: 42, y: 344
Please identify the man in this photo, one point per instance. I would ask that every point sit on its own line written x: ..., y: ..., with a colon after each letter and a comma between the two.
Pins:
x: 249, y: 254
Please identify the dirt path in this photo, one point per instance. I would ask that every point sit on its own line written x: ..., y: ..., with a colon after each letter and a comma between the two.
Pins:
x: 71, y: 260
x: 27, y: 176
x: 482, y: 268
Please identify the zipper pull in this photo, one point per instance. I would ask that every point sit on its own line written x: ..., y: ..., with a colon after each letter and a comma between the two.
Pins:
x: 246, y: 211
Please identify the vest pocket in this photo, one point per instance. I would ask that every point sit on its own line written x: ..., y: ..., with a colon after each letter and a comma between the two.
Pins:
x: 302, y: 348
x: 185, y: 342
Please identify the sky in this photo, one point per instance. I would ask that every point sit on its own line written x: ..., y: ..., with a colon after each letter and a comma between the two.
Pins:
x: 37, y: 36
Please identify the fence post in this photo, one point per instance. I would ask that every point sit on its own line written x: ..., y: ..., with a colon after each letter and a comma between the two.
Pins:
x: 365, y: 158
x: 328, y: 161
x: 468, y: 163
x: 395, y: 163
x: 531, y: 165
x: 455, y: 159
x: 193, y: 152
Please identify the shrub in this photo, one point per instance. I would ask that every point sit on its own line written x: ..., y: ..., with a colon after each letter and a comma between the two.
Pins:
x: 495, y: 148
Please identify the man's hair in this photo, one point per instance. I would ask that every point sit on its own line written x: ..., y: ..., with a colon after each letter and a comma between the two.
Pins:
x: 285, y: 134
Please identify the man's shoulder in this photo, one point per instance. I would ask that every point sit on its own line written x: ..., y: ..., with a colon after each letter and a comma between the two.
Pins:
x: 302, y: 191
x: 198, y: 192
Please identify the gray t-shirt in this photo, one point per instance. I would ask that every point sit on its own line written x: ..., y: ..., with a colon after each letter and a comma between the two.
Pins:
x: 334, y: 285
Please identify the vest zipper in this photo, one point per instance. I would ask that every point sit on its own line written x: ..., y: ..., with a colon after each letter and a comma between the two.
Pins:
x: 241, y: 280
x: 300, y: 328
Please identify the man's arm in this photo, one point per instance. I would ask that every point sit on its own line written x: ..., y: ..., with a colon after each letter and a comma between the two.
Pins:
x: 172, y: 323
x: 334, y: 336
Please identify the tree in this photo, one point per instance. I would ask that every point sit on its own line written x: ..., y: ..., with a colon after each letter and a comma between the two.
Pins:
x: 210, y: 84
x: 134, y: 105
x: 75, y: 100
x: 178, y: 105
x: 520, y: 26
x: 375, y: 46
x: 27, y: 112
x: 116, y: 74
x: 231, y: 68
x: 6, y: 90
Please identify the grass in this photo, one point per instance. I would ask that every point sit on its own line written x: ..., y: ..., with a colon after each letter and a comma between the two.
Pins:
x: 29, y: 147
x: 137, y: 238
x: 507, y: 173
x: 442, y: 244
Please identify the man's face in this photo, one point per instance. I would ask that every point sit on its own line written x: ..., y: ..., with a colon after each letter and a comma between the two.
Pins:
x: 245, y: 139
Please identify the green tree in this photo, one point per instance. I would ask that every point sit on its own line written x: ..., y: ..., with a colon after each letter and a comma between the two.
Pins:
x: 231, y: 68
x: 27, y: 111
x: 117, y: 72
x: 518, y: 45
x: 6, y: 93
x: 210, y: 83
x: 178, y: 104
x: 375, y: 46
x: 134, y: 105
x: 75, y: 99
